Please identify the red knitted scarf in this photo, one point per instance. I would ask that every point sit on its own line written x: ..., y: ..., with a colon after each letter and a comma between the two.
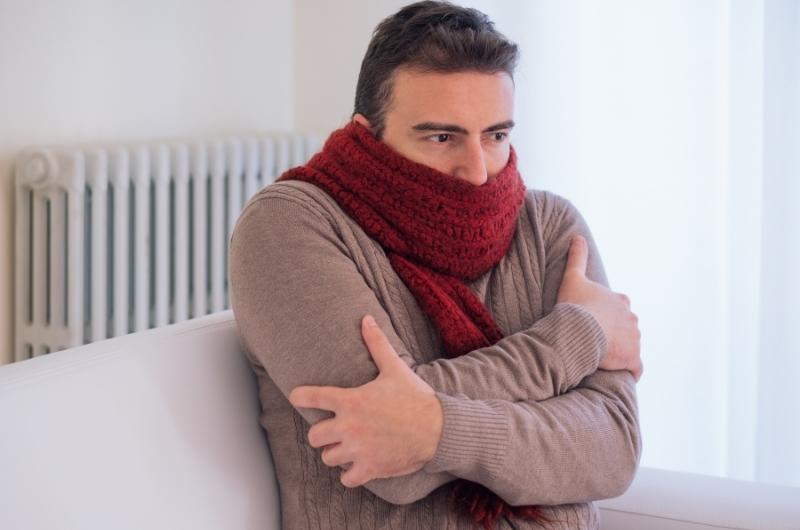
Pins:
x: 438, y: 232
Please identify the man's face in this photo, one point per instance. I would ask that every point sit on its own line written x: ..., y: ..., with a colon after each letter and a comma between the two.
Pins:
x: 457, y: 123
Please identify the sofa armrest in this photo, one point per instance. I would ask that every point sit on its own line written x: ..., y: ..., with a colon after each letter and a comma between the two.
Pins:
x: 669, y: 500
x: 157, y: 429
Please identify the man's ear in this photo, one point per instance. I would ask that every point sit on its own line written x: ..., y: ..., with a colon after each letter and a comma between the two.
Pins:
x: 360, y: 118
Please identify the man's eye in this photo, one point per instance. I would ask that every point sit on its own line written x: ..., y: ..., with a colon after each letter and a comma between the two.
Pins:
x: 441, y: 138
x: 500, y: 136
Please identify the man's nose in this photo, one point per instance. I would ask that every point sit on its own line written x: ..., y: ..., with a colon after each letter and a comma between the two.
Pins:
x: 472, y: 166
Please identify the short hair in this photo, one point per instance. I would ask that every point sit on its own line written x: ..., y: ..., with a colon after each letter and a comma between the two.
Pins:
x: 429, y: 36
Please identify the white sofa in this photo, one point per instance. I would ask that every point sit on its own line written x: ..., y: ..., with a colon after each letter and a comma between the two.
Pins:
x: 160, y: 430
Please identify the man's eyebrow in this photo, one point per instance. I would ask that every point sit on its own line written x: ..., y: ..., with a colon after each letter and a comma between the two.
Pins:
x: 431, y: 126
x: 446, y: 127
x: 508, y: 124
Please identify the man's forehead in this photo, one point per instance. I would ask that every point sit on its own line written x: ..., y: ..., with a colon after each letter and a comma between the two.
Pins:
x: 456, y: 102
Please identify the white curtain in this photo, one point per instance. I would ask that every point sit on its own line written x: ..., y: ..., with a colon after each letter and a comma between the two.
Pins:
x: 674, y: 126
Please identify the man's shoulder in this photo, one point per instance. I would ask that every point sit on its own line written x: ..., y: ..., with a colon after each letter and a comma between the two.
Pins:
x: 544, y: 199
x: 286, y: 201
x: 284, y: 208
x: 546, y: 209
x: 298, y: 192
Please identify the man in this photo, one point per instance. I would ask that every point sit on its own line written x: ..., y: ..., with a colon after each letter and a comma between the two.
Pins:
x: 435, y: 345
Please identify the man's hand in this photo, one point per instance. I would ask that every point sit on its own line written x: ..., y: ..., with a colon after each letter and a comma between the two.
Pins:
x: 388, y: 427
x: 612, y: 310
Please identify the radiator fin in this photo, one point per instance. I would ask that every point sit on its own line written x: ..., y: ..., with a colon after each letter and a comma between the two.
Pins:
x: 112, y: 240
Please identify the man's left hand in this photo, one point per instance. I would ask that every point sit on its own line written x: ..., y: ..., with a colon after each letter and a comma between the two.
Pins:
x: 388, y: 427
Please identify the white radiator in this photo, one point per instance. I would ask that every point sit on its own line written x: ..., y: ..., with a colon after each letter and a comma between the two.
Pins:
x: 115, y: 240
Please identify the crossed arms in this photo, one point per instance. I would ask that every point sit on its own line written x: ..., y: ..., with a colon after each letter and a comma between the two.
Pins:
x: 530, y: 417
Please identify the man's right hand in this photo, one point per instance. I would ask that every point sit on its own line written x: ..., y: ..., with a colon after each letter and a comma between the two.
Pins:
x: 612, y: 310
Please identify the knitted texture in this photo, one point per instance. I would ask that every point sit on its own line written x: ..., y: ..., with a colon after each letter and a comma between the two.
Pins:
x: 438, y: 232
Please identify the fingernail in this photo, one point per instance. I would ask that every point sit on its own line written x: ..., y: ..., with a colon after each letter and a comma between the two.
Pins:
x: 370, y: 321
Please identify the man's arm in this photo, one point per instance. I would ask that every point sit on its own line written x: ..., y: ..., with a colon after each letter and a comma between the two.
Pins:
x: 581, y: 446
x: 547, y: 359
x: 483, y: 441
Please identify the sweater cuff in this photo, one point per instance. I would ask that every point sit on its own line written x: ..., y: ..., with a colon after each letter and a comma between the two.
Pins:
x: 577, y: 336
x: 475, y: 437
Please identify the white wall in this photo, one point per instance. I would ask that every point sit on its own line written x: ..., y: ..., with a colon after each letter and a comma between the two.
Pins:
x: 329, y: 41
x: 114, y: 70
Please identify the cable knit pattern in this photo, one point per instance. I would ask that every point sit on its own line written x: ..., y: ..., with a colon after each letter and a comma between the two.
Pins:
x: 529, y: 417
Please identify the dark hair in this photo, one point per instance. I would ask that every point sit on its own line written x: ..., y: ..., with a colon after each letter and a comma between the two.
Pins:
x: 431, y: 37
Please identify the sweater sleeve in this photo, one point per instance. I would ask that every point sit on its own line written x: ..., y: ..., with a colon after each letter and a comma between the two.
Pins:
x: 545, y: 360
x: 580, y: 446
x: 298, y: 296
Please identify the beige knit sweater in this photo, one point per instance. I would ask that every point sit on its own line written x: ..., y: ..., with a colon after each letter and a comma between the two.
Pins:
x: 531, y: 417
